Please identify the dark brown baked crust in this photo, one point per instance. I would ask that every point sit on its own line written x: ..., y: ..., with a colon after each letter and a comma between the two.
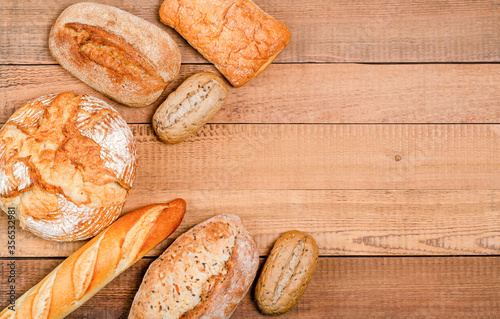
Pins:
x: 238, y: 37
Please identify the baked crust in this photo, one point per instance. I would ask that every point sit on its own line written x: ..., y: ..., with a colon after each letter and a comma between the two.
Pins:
x: 67, y: 163
x: 123, y: 56
x: 238, y: 37
x: 99, y: 261
x: 204, y: 274
x: 189, y: 107
x: 286, y: 273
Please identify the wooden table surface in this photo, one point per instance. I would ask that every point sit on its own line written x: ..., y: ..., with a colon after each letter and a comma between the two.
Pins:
x: 376, y: 130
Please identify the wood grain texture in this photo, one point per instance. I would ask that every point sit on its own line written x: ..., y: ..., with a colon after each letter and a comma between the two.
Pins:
x: 340, y: 288
x: 322, y: 157
x: 329, y: 93
x: 322, y: 31
x: 343, y: 222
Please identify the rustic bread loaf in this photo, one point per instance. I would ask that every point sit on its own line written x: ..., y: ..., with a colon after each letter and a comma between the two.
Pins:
x: 93, y: 266
x: 286, y: 273
x: 67, y: 163
x: 204, y: 274
x: 192, y: 105
x: 238, y: 37
x: 123, y: 56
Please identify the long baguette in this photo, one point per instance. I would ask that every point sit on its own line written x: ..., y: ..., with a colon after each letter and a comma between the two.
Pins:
x: 93, y: 266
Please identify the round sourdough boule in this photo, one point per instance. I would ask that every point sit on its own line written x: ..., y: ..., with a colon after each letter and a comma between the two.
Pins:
x: 67, y: 163
x: 286, y: 273
x: 115, y: 52
x: 192, y: 105
x: 204, y: 273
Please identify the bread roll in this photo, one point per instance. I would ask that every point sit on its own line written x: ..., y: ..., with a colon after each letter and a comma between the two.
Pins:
x: 67, y: 163
x: 123, y: 56
x: 192, y: 105
x: 93, y: 266
x: 238, y: 37
x: 286, y: 273
x: 204, y: 274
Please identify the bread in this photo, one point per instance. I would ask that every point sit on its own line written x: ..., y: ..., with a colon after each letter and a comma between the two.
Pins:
x: 204, y: 274
x: 67, y: 163
x: 286, y: 273
x: 235, y: 35
x: 192, y: 105
x: 93, y: 266
x: 123, y: 56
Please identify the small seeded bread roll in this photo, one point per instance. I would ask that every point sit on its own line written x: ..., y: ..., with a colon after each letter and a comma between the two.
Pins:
x: 67, y: 163
x: 192, y: 105
x: 286, y: 273
x: 204, y: 274
x: 117, y: 53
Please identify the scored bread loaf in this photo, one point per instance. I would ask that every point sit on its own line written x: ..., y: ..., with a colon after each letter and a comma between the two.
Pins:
x: 67, y: 163
x: 238, y: 37
x: 189, y: 107
x: 121, y: 55
x: 204, y: 274
x: 98, y: 262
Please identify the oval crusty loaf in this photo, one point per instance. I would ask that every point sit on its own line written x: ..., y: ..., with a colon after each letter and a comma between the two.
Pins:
x: 204, y: 274
x: 123, y: 56
x: 192, y: 105
x: 286, y: 273
x: 67, y: 163
x: 238, y: 37
x: 93, y: 266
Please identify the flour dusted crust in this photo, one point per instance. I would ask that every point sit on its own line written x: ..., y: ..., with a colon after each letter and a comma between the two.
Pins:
x: 238, y: 37
x: 67, y: 163
x: 121, y: 55
x: 204, y: 274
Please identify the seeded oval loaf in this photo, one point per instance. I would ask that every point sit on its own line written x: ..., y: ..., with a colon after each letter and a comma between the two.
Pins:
x: 286, y: 273
x: 94, y: 265
x: 67, y: 163
x: 121, y: 55
x: 192, y: 105
x: 238, y: 37
x: 204, y: 274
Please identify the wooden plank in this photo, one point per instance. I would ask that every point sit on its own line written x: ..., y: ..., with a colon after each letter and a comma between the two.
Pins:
x: 341, y: 287
x: 329, y: 93
x: 322, y: 31
x: 343, y: 222
x: 322, y: 157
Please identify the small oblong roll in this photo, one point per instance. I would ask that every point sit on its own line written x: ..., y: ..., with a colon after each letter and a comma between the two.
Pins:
x: 192, y: 105
x: 286, y: 273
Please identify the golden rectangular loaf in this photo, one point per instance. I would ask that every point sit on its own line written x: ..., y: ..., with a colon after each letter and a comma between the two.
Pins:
x: 93, y: 266
x: 115, y: 52
x: 238, y: 37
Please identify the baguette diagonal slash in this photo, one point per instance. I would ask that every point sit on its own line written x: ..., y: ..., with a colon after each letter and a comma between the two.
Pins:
x: 102, y: 259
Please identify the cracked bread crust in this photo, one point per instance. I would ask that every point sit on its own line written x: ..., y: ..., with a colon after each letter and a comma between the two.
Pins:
x: 67, y: 163
x: 123, y: 56
x: 238, y: 37
x: 204, y: 274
